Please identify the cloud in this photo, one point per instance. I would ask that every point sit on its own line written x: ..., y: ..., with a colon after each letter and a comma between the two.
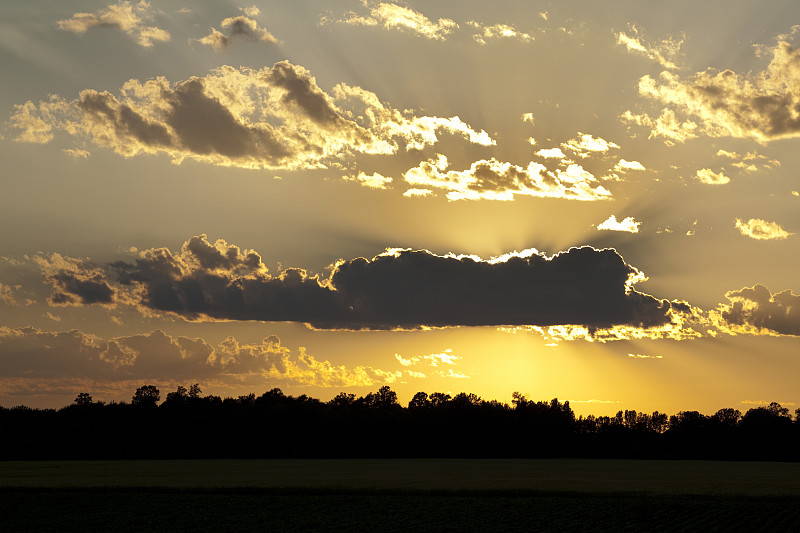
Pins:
x: 761, y: 106
x: 624, y: 165
x: 393, y: 16
x: 77, y: 154
x: 498, y: 31
x: 586, y: 145
x: 627, y: 224
x: 643, y: 356
x: 759, y: 229
x: 33, y: 353
x: 273, y: 118
x: 7, y: 295
x: 709, y: 177
x: 434, y: 363
x: 398, y: 289
x: 666, y: 126
x: 663, y: 53
x: 123, y: 16
x: 374, y: 181
x: 417, y: 193
x: 75, y: 281
x: 749, y: 161
x: 755, y: 311
x: 240, y: 26
x: 494, y: 180
x: 251, y: 11
x: 551, y: 153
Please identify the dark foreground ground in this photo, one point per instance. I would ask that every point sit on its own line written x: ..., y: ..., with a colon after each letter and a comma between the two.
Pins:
x: 399, y: 495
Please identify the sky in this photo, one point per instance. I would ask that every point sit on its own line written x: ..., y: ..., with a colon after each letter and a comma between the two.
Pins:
x: 595, y: 201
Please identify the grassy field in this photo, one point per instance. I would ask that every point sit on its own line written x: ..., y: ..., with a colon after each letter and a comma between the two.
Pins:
x: 399, y: 495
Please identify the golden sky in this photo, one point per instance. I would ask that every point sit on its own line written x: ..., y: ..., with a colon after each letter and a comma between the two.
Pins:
x: 595, y: 201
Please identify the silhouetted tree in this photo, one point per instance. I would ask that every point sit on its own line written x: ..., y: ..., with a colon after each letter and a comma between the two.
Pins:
x: 83, y: 399
x: 146, y: 396
x: 343, y: 399
x: 419, y: 401
x: 194, y: 391
x: 178, y: 398
x: 439, y: 399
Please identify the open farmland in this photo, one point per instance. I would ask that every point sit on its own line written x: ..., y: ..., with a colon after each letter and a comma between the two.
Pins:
x: 353, y: 495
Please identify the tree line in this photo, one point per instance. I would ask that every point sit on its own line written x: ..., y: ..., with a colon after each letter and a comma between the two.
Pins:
x: 187, y: 424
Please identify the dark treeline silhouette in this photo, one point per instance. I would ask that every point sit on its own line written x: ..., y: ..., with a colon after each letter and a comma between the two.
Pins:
x: 189, y: 425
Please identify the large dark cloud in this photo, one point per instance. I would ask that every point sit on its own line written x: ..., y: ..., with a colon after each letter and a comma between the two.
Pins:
x: 398, y: 289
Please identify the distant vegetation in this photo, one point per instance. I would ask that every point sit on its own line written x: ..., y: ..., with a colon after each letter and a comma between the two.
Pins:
x: 189, y: 425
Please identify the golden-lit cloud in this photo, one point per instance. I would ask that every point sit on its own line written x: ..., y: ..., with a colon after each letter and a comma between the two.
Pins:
x: 498, y: 31
x: 666, y: 126
x: 250, y: 11
x: 624, y: 165
x: 398, y: 289
x: 586, y: 144
x: 664, y: 53
x: 551, y: 153
x: 29, y: 352
x: 644, y: 356
x: 124, y: 16
x: 372, y: 181
x: 756, y: 311
x: 627, y: 224
x: 432, y: 365
x: 417, y: 193
x: 273, y: 118
x: 761, y: 105
x: 491, y: 179
x: 76, y: 153
x: 232, y: 27
x: 709, y: 177
x: 7, y: 295
x: 394, y: 16
x: 750, y: 161
x: 759, y: 229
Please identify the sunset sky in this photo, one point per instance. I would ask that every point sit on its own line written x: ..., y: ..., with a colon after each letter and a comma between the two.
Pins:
x: 590, y: 200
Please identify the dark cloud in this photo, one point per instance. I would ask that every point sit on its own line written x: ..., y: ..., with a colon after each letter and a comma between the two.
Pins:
x: 398, y: 289
x: 79, y: 288
x: 756, y: 310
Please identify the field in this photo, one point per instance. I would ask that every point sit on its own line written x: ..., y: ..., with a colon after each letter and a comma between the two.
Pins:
x: 397, y: 495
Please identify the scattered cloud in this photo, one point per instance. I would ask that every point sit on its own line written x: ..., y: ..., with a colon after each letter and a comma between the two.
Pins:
x: 666, y: 125
x: 33, y: 353
x: 643, y: 356
x: 586, y: 145
x: 76, y: 153
x: 417, y: 193
x: 273, y: 118
x: 398, y: 289
x: 625, y: 165
x: 432, y: 364
x: 393, y: 16
x: 664, y: 53
x: 123, y: 16
x: 251, y: 11
x: 756, y: 311
x: 498, y: 31
x: 374, y: 181
x: 240, y: 26
x: 528, y: 118
x: 7, y: 295
x: 759, y: 229
x: 551, y: 153
x: 709, y: 177
x: 491, y: 179
x: 761, y: 106
x: 627, y: 224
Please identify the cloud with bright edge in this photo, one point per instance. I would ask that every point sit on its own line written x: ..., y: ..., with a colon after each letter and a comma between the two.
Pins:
x: 398, y: 289
x: 498, y: 31
x: 756, y: 311
x: 586, y: 145
x: 273, y: 118
x: 123, y: 16
x: 393, y: 16
x: 29, y: 352
x: 760, y: 106
x: 759, y: 229
x: 490, y: 179
x: 373, y: 181
x: 709, y: 177
x: 624, y: 165
x: 663, y: 53
x: 240, y: 26
x: 627, y: 224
